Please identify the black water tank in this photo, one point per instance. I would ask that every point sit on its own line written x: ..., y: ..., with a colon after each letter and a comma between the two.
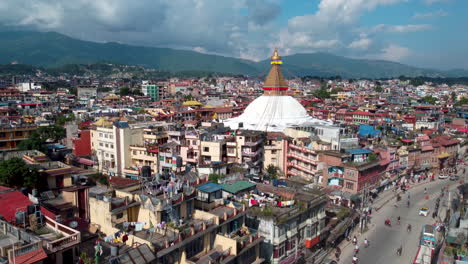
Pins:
x: 146, y: 172
x: 179, y: 162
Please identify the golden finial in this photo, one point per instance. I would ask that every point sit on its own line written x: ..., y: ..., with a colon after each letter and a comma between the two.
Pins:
x: 276, y: 58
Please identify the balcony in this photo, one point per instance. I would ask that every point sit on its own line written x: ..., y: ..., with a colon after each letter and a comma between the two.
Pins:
x: 302, y: 149
x: 251, y: 154
x: 254, y: 143
x: 302, y: 168
x: 231, y: 144
x: 292, y: 232
x: 302, y: 158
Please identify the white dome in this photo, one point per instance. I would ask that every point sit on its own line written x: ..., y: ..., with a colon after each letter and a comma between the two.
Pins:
x: 272, y: 113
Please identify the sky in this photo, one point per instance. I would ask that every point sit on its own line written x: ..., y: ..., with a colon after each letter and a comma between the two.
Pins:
x: 423, y: 33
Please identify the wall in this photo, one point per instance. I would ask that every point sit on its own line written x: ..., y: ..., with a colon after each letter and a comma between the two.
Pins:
x: 225, y: 243
x: 82, y: 145
x: 99, y: 213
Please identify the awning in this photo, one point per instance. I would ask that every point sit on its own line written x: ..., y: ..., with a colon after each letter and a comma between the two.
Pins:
x: 384, y: 182
x: 443, y: 155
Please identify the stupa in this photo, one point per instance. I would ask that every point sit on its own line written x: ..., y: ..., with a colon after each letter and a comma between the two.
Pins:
x: 274, y: 111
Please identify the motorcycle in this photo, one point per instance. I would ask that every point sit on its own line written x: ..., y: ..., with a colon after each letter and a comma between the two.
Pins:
x: 408, y: 229
x: 388, y: 223
x: 399, y: 250
x: 366, y: 243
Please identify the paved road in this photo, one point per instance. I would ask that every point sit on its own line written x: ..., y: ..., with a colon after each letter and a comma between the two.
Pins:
x: 385, y: 240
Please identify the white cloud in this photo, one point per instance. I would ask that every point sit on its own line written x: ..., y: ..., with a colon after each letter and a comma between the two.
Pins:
x: 439, y: 13
x: 398, y: 28
x: 392, y: 52
x: 430, y: 2
x: 360, y: 44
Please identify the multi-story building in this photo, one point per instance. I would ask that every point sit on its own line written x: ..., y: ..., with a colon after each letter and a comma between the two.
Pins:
x: 249, y: 149
x: 275, y: 148
x: 183, y: 225
x: 12, y: 135
x: 156, y: 91
x: 111, y: 142
x: 30, y: 234
x: 290, y: 228
x: 352, y: 170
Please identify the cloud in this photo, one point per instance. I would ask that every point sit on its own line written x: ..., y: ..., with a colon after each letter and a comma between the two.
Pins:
x: 400, y: 28
x: 392, y: 52
x: 439, y: 13
x: 360, y: 44
x: 430, y: 2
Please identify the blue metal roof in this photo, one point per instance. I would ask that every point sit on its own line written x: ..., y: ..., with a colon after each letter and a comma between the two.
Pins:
x: 210, y: 187
x: 358, y: 151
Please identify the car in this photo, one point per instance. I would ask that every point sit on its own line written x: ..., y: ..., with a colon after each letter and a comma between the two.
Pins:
x: 424, y: 211
x: 454, y: 178
x: 443, y: 177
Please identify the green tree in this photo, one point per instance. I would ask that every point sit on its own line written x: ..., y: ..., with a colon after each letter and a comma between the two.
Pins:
x: 429, y: 100
x: 378, y: 89
x: 62, y: 119
x: 214, y: 177
x: 273, y: 171
x: 15, y: 173
x: 39, y: 137
x: 454, y: 96
x: 124, y: 91
x: 462, y: 101
x: 321, y: 93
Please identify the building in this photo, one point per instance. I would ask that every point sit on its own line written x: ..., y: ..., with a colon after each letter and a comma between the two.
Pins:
x: 351, y: 171
x: 290, y: 228
x: 30, y: 234
x: 274, y: 110
x: 155, y: 91
x: 12, y: 135
x: 186, y: 225
x: 82, y: 143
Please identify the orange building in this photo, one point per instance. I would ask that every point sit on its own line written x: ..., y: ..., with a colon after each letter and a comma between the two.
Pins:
x: 11, y: 136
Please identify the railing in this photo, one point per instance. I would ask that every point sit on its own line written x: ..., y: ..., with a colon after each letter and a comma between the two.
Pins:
x: 63, y: 243
x: 302, y: 168
x: 292, y: 155
x: 16, y: 252
x: 253, y: 143
x: 72, y: 237
x: 302, y: 148
x: 251, y: 154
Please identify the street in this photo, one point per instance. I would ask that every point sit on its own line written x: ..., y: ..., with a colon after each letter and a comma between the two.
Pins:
x: 385, y: 240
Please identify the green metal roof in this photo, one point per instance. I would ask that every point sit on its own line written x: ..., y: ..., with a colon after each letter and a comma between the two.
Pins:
x: 237, y: 186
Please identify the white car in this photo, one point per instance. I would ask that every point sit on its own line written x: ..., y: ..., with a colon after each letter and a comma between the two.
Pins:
x: 424, y: 211
x: 443, y: 177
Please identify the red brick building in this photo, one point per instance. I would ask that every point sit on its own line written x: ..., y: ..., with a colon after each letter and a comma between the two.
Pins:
x: 82, y: 144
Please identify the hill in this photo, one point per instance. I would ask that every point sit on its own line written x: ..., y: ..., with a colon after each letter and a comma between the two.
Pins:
x: 50, y: 49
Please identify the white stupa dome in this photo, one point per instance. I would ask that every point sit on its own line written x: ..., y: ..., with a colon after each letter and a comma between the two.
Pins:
x: 273, y: 111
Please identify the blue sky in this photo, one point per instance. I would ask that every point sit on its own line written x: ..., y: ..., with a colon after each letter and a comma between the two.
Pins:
x: 424, y: 33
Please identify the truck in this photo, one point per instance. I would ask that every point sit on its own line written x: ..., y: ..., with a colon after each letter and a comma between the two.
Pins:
x: 424, y: 255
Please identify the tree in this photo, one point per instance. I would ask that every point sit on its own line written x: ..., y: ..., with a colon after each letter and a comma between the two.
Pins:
x: 15, y: 173
x: 273, y: 171
x: 39, y: 137
x: 124, y: 91
x: 429, y: 100
x: 321, y: 93
x: 62, y: 119
x: 378, y: 89
x: 462, y: 101
x: 214, y: 177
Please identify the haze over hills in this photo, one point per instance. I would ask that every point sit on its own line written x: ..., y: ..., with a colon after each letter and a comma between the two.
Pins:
x: 50, y: 49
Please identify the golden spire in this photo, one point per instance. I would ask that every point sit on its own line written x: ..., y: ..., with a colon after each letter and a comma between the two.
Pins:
x: 275, y: 84
x: 276, y: 56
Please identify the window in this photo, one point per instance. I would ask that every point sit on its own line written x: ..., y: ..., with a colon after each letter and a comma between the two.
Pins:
x: 273, y: 151
x: 206, y: 149
x: 100, y: 134
x: 107, y: 145
x: 106, y: 136
x: 100, y: 144
x: 119, y: 215
x: 2, y: 134
x: 349, y: 185
x: 2, y: 144
x: 273, y: 160
x: 111, y: 136
x: 230, y: 150
x: 194, y: 142
x: 107, y: 155
x: 111, y: 146
x: 18, y: 133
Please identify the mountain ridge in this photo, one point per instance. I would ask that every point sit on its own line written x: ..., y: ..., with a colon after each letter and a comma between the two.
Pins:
x: 52, y: 49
